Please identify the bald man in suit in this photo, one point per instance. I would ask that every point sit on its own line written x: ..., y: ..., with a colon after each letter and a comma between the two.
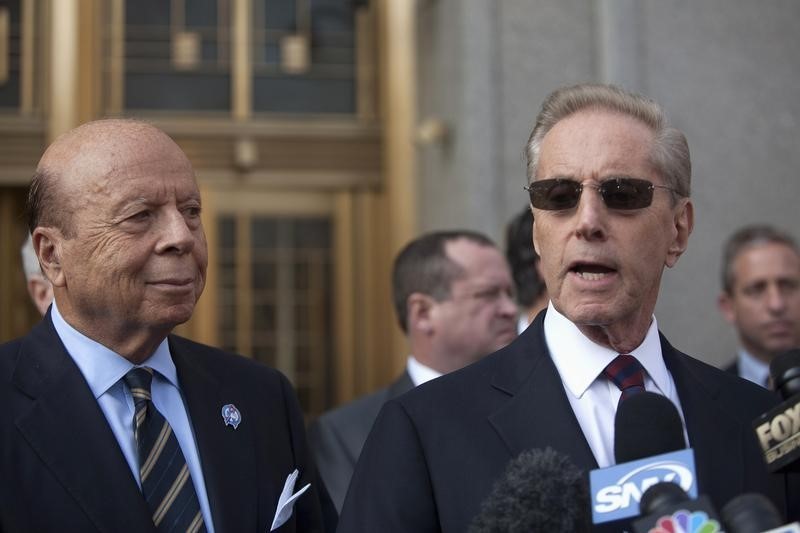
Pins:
x: 115, y: 424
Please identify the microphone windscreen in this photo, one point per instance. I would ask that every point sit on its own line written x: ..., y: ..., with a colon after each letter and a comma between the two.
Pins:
x: 541, y: 490
x: 785, y: 372
x: 646, y: 424
x: 661, y: 496
x: 750, y: 512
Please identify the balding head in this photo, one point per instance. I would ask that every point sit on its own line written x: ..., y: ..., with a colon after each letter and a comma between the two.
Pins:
x: 79, y: 157
x: 115, y: 219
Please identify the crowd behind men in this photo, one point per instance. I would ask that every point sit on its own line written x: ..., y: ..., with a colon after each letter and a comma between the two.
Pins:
x: 173, y: 434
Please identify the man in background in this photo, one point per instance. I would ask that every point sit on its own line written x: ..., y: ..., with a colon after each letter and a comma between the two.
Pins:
x: 114, y: 423
x: 524, y: 262
x: 39, y: 289
x: 452, y: 293
x: 761, y: 297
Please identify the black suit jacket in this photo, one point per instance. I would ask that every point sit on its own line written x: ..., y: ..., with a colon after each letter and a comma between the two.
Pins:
x: 434, y: 454
x: 337, y: 437
x: 62, y: 469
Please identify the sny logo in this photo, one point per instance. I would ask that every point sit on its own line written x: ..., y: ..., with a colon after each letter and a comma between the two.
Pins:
x: 616, y: 490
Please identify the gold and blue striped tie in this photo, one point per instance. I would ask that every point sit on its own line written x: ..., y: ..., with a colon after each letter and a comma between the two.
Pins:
x: 166, y: 483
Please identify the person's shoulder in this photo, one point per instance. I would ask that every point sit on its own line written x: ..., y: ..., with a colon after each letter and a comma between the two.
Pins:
x: 730, y: 388
x: 471, y: 386
x: 360, y: 411
x: 225, y: 365
x: 9, y: 353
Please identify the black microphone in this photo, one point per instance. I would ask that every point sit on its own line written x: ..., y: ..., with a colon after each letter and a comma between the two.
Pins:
x: 666, y: 507
x: 785, y: 372
x: 778, y: 430
x: 661, y: 497
x: 649, y: 447
x: 541, y: 490
x: 646, y: 424
x: 749, y: 513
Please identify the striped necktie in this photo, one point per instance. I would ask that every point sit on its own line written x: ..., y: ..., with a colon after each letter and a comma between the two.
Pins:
x: 627, y: 374
x: 166, y: 483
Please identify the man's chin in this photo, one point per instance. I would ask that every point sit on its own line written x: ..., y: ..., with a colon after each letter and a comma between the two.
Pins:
x: 172, y: 316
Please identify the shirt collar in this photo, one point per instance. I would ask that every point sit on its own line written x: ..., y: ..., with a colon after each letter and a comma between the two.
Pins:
x: 752, y: 369
x: 580, y: 361
x: 420, y: 373
x: 101, y: 367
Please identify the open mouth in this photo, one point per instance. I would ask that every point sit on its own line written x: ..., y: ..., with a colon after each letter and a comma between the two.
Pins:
x: 591, y: 271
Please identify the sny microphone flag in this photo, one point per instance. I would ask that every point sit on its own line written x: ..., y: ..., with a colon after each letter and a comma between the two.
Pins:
x: 616, y: 490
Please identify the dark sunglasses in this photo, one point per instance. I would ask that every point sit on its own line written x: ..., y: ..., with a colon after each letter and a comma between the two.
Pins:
x: 617, y: 193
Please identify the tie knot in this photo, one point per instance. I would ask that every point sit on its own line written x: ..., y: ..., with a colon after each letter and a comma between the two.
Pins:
x: 138, y: 380
x: 627, y: 374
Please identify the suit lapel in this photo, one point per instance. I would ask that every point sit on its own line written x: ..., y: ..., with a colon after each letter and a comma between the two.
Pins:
x: 538, y: 413
x: 716, y: 450
x: 227, y: 455
x: 69, y: 432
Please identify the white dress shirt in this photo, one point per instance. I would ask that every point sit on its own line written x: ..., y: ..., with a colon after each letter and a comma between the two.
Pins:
x: 103, y: 370
x: 420, y: 373
x: 593, y: 398
x: 752, y: 369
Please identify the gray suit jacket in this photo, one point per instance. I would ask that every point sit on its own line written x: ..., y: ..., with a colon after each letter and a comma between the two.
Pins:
x: 336, y: 437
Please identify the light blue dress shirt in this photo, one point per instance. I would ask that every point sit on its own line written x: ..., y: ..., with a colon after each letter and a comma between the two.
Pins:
x: 753, y: 369
x: 103, y: 370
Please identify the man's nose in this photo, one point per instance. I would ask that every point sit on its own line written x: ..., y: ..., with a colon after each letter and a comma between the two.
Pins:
x: 590, y: 215
x: 175, y: 233
x: 776, y: 300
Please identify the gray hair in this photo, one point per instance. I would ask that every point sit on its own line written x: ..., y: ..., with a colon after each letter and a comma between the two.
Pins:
x: 745, y: 238
x: 670, y: 152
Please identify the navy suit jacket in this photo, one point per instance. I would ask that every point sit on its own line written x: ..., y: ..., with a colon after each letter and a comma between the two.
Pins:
x: 61, y: 468
x: 434, y: 453
x: 337, y: 437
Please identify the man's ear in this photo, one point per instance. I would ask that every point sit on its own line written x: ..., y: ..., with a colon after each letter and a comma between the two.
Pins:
x: 47, y: 243
x: 683, y: 221
x: 726, y: 307
x: 420, y: 312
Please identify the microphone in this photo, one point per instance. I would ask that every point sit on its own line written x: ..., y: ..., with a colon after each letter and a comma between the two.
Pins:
x: 541, y: 490
x: 649, y: 448
x: 666, y: 507
x: 778, y: 430
x: 646, y: 424
x: 751, y: 512
x: 785, y: 372
x: 660, y: 497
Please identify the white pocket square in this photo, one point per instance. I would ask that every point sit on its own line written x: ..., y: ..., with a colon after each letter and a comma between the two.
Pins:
x: 287, y: 499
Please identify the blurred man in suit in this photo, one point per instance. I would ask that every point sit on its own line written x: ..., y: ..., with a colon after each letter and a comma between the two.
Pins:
x: 761, y: 297
x: 609, y: 185
x: 113, y: 423
x: 39, y: 288
x: 452, y: 294
x: 524, y: 262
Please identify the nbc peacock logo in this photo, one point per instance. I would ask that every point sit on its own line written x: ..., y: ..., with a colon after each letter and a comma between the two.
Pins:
x: 686, y: 522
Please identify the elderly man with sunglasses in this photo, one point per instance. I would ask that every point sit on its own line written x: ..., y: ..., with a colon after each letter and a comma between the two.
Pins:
x: 609, y: 188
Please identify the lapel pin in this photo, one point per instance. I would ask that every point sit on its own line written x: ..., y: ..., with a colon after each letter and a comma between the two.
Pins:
x: 231, y: 415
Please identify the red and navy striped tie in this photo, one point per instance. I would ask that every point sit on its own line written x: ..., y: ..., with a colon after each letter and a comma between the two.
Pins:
x: 627, y: 374
x: 166, y: 483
